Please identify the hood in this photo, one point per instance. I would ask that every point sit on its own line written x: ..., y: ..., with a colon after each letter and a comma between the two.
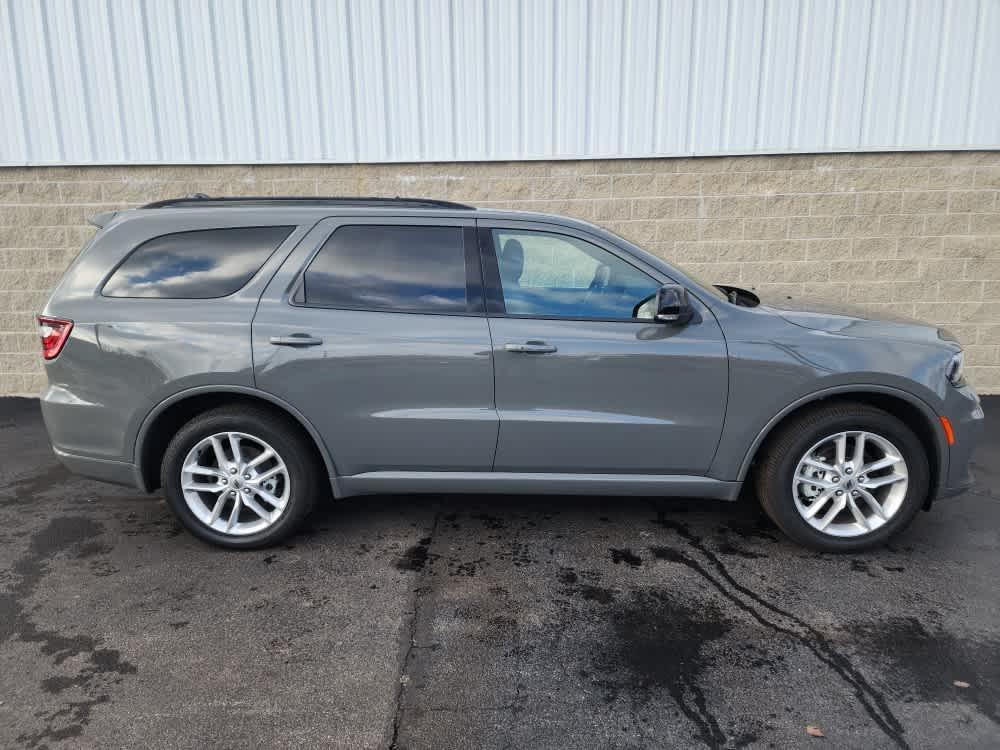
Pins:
x: 851, y: 320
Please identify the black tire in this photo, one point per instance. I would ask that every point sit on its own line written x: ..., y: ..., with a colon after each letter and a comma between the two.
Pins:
x: 775, y: 472
x: 306, y: 473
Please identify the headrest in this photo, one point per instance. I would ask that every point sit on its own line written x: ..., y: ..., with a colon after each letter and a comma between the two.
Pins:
x: 512, y: 261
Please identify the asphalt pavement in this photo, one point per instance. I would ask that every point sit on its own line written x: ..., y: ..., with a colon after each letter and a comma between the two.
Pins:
x: 487, y: 622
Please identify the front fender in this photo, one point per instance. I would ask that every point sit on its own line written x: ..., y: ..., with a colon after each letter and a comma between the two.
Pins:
x: 776, y: 368
x: 941, y: 445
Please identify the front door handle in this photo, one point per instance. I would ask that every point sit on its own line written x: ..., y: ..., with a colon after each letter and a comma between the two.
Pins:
x: 530, y: 347
x: 296, y: 339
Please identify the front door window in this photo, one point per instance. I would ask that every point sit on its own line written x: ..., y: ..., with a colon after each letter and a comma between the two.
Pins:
x: 549, y: 275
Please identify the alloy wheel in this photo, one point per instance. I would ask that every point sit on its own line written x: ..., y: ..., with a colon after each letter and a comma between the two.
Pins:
x: 235, y: 483
x: 850, y: 483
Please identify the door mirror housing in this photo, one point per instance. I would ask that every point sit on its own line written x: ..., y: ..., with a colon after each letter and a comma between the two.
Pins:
x: 673, y: 306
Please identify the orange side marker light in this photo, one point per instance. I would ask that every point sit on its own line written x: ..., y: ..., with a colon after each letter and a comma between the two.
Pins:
x: 949, y: 433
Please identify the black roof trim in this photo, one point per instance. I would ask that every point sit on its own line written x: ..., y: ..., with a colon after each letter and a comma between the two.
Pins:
x: 199, y: 200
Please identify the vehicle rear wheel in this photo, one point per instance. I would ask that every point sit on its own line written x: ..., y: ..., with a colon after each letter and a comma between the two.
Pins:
x: 240, y: 477
x: 843, y: 478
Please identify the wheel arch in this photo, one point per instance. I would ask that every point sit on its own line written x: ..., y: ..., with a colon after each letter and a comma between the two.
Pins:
x: 162, y: 423
x: 912, y: 410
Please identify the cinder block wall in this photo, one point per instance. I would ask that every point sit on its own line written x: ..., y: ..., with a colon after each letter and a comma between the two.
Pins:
x: 910, y: 233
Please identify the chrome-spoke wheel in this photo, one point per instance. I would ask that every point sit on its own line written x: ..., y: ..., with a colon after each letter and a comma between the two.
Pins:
x: 235, y: 483
x: 850, y: 483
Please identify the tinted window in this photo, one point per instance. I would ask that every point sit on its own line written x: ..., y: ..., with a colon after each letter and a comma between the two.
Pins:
x: 415, y: 269
x: 554, y: 275
x: 195, y: 265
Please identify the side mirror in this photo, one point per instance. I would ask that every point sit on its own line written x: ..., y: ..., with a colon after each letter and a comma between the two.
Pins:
x: 672, y: 305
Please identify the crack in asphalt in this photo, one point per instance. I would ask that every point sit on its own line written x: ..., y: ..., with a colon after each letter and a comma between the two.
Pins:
x: 415, y: 559
x: 103, y: 666
x: 871, y: 700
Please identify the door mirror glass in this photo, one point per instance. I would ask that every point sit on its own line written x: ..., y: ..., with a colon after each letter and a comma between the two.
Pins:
x: 672, y: 305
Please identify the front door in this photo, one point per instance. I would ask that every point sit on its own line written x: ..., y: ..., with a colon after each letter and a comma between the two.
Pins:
x: 375, y: 331
x: 586, y: 381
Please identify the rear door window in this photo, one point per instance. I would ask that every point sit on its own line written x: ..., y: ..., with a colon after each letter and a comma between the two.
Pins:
x: 389, y: 268
x: 201, y: 264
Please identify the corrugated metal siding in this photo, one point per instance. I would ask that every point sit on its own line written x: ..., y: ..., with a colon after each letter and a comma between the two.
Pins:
x: 245, y: 81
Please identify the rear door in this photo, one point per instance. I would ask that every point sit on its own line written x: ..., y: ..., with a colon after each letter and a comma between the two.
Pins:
x: 374, y: 328
x: 586, y: 381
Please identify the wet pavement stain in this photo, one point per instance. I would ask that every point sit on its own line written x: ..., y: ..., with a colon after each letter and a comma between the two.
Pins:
x: 782, y: 622
x: 508, y: 624
x: 862, y: 566
x: 568, y: 576
x: 26, y: 489
x: 662, y: 643
x: 731, y: 550
x: 585, y: 590
x: 653, y: 644
x: 626, y: 556
x: 922, y: 662
x: 415, y: 558
x: 101, y: 666
x: 490, y: 522
x: 161, y: 525
x: 467, y: 569
x: 755, y: 528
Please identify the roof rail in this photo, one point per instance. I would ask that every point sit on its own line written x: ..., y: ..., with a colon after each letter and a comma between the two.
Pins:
x: 197, y: 200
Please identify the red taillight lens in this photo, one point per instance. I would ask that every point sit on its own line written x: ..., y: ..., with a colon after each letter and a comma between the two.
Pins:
x: 54, y: 332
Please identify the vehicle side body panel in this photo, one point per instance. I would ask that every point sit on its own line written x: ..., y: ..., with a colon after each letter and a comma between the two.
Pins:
x: 615, y: 397
x: 126, y: 356
x: 406, y: 402
x: 777, y: 367
x: 389, y: 391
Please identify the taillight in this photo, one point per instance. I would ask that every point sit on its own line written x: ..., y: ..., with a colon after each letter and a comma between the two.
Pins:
x: 54, y: 333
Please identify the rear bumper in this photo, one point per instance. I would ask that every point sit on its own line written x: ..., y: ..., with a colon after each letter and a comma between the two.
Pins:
x: 116, y: 472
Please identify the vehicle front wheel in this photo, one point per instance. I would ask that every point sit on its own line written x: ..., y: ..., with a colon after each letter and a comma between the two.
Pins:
x: 843, y: 478
x: 240, y: 477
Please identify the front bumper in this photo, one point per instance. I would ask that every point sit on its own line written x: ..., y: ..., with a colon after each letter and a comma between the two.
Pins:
x: 965, y: 412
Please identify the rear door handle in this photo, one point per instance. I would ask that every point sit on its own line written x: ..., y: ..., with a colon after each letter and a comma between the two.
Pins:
x: 530, y: 347
x: 296, y: 339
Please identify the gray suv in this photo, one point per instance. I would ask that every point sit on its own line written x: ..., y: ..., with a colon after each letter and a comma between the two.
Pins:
x: 253, y: 355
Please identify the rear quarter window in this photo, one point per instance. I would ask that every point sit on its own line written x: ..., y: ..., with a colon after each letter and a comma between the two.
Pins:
x: 200, y: 264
